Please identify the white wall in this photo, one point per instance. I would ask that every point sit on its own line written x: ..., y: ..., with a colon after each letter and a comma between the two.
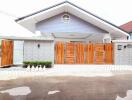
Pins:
x: 44, y: 52
x: 18, y: 52
x: 123, y: 56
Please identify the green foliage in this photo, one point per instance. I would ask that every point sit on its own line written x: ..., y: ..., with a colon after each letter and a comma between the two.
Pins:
x: 26, y: 62
x: 37, y: 62
x: 48, y: 62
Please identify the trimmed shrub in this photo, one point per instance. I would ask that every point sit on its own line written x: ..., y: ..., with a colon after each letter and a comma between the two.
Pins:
x: 48, y: 64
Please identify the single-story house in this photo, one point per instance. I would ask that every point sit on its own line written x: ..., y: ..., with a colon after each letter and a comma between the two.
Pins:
x: 70, y: 35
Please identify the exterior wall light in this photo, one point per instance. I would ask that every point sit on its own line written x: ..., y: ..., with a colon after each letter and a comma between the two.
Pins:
x: 38, y: 45
x: 125, y: 46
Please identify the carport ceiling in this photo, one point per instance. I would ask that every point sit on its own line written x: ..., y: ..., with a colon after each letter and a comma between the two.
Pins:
x: 76, y: 35
x: 70, y: 35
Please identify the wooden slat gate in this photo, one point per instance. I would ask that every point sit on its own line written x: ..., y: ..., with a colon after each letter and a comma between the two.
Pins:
x: 89, y: 53
x: 7, y: 52
x: 99, y: 53
x: 108, y: 53
x: 59, y: 53
x: 80, y: 53
x: 69, y: 54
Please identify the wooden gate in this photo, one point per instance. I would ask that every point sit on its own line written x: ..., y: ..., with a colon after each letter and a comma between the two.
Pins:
x: 69, y: 54
x: 79, y: 53
x: 108, y: 53
x: 7, y: 52
x: 89, y: 53
x: 99, y: 53
x: 59, y: 53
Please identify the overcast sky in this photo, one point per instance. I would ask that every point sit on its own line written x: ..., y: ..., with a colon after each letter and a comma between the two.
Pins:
x: 115, y: 11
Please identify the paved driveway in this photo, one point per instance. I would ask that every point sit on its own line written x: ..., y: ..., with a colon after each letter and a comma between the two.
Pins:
x: 116, y: 87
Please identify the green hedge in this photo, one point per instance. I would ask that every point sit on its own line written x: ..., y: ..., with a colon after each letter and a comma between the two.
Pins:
x: 37, y: 62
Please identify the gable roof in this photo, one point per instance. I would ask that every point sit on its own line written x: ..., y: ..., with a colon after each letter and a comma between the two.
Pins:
x: 69, y: 7
x: 127, y: 27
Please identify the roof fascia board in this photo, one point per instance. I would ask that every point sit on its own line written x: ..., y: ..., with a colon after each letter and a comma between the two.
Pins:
x: 46, y: 12
x: 95, y: 16
x: 95, y: 19
x: 40, y: 11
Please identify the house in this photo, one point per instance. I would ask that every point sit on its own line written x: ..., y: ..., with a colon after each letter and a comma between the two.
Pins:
x: 70, y: 35
x: 127, y: 27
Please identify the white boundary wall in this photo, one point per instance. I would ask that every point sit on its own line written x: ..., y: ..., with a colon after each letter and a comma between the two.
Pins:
x: 35, y: 50
x: 18, y: 52
x: 122, y: 52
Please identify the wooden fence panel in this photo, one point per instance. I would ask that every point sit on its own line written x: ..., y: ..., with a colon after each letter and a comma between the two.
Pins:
x: 108, y: 53
x: 79, y: 53
x: 7, y: 52
x: 99, y: 53
x: 59, y: 53
x: 89, y: 53
x: 75, y: 53
x: 3, y: 53
x: 69, y: 54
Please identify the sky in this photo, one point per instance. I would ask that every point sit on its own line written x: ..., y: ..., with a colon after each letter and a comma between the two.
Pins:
x: 117, y: 12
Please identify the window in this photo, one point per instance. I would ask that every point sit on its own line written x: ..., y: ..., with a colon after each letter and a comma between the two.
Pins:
x: 65, y: 18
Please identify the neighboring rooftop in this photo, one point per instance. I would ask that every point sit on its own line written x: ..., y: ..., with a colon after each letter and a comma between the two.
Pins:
x: 127, y: 27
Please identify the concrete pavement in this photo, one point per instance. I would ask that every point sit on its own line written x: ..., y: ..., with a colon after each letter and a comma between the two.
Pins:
x: 69, y: 88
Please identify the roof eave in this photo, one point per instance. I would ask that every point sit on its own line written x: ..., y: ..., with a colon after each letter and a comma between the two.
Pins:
x: 24, y: 17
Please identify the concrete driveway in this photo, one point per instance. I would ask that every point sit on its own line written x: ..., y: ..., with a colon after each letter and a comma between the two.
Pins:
x: 116, y: 87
